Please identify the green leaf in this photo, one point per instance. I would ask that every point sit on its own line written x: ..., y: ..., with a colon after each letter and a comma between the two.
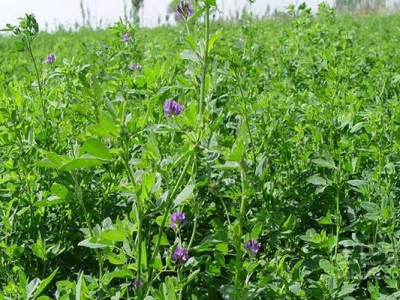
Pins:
x: 164, y: 240
x: 213, y: 39
x: 357, y: 127
x: 152, y: 146
x: 162, y: 128
x: 111, y: 109
x: 96, y: 148
x: 346, y: 289
x: 289, y: 224
x: 169, y: 289
x: 148, y: 181
x: 81, y: 162
x: 327, y: 220
x: 59, y: 190
x: 115, y: 259
x: 81, y: 288
x: 324, y: 163
x: 121, y: 273
x: 370, y: 207
x: 255, y: 232
x: 356, y: 182
x: 51, y: 201
x: 190, y: 55
x: 229, y: 165
x: 210, y: 2
x: 156, y: 263
x: 88, y: 244
x: 22, y: 284
x: 191, y: 41
x: 186, y: 193
x: 327, y: 267
x: 44, y: 284
x: 32, y: 287
x: 316, y: 180
x: 83, y: 80
x: 113, y: 235
x: 38, y: 249
x: 237, y: 152
x: 106, y: 127
x: 144, y: 255
x: 53, y: 160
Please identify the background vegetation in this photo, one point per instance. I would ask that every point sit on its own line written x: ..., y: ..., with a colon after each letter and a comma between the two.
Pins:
x: 288, y: 137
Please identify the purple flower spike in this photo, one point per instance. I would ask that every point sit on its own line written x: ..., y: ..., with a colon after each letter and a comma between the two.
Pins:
x: 135, y: 284
x: 172, y: 108
x: 50, y: 58
x: 252, y: 246
x: 178, y: 220
x: 135, y: 66
x: 125, y: 38
x: 183, y: 10
x: 180, y: 255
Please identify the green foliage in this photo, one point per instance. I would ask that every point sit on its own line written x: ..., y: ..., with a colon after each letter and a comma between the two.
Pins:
x: 288, y: 134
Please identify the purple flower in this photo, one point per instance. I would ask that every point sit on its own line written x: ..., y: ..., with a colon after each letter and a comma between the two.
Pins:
x: 135, y: 66
x: 252, y: 246
x: 125, y: 38
x: 50, y: 58
x: 180, y: 255
x: 183, y: 10
x: 135, y: 284
x: 172, y: 107
x: 178, y: 220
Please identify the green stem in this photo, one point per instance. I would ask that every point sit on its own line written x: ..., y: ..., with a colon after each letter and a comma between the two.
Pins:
x: 78, y: 192
x: 139, y: 207
x: 338, y: 223
x: 226, y: 210
x: 246, y: 118
x: 240, y: 232
x: 193, y: 232
x: 29, y: 48
x: 167, y: 209
x: 139, y: 272
x: 205, y: 67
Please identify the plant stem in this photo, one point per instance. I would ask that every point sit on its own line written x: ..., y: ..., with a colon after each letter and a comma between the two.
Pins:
x: 78, y: 192
x: 205, y: 67
x: 193, y: 233
x: 169, y: 200
x: 239, y: 253
x: 226, y: 210
x: 29, y: 48
x: 338, y: 222
x: 139, y: 207
x: 139, y: 272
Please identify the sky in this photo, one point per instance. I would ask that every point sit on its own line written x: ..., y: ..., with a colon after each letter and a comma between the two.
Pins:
x: 68, y: 12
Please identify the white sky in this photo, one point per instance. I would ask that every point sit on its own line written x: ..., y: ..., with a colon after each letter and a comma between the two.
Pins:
x: 68, y: 11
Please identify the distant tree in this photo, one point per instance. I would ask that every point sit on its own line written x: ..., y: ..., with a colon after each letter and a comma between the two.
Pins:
x: 136, y: 6
x: 353, y: 5
x: 83, y: 13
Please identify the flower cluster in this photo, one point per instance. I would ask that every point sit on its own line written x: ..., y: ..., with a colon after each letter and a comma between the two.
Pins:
x: 135, y: 284
x: 135, y: 66
x: 180, y: 255
x: 183, y: 10
x: 50, y: 58
x: 125, y: 38
x: 252, y: 246
x: 172, y: 107
x: 178, y: 220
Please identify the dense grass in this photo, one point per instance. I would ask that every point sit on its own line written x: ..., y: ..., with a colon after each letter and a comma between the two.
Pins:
x: 289, y: 135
